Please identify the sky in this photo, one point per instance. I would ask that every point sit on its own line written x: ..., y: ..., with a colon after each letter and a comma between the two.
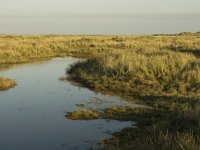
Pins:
x: 99, y: 16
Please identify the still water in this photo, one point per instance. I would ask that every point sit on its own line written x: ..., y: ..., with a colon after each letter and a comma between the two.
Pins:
x: 32, y: 115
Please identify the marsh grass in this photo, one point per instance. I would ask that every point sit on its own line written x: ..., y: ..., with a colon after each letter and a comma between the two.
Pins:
x: 166, y: 80
x: 6, y: 84
x: 153, y: 139
x: 25, y: 48
x: 158, y: 73
x: 84, y: 114
x: 175, y: 131
x: 163, y: 71
x: 156, y: 129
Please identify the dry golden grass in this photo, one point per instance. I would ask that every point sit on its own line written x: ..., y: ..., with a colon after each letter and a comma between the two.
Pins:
x: 154, y: 73
x: 85, y: 114
x: 17, y: 49
x: 163, y: 72
x: 155, y: 140
x: 25, y: 48
x: 6, y: 83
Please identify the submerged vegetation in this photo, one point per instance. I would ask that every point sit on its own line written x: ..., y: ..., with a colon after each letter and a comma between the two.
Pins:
x: 161, y: 71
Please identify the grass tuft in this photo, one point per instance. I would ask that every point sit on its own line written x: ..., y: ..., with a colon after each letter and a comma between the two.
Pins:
x: 85, y: 114
x: 6, y: 84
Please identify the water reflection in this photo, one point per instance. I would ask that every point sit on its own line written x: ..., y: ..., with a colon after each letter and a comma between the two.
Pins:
x: 32, y: 115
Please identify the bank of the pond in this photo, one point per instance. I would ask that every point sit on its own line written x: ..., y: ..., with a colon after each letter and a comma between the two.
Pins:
x: 159, y: 74
x: 167, y: 81
x: 156, y: 129
x: 6, y: 84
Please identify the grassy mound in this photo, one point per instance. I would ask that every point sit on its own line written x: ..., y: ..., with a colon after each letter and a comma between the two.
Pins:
x: 169, y: 81
x: 152, y: 139
x: 6, y: 84
x: 146, y: 73
x: 85, y: 114
x: 156, y: 130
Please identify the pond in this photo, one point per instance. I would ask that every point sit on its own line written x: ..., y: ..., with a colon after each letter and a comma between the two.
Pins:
x: 32, y: 115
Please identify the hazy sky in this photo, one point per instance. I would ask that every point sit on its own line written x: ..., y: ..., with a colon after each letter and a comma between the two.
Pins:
x: 99, y: 16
